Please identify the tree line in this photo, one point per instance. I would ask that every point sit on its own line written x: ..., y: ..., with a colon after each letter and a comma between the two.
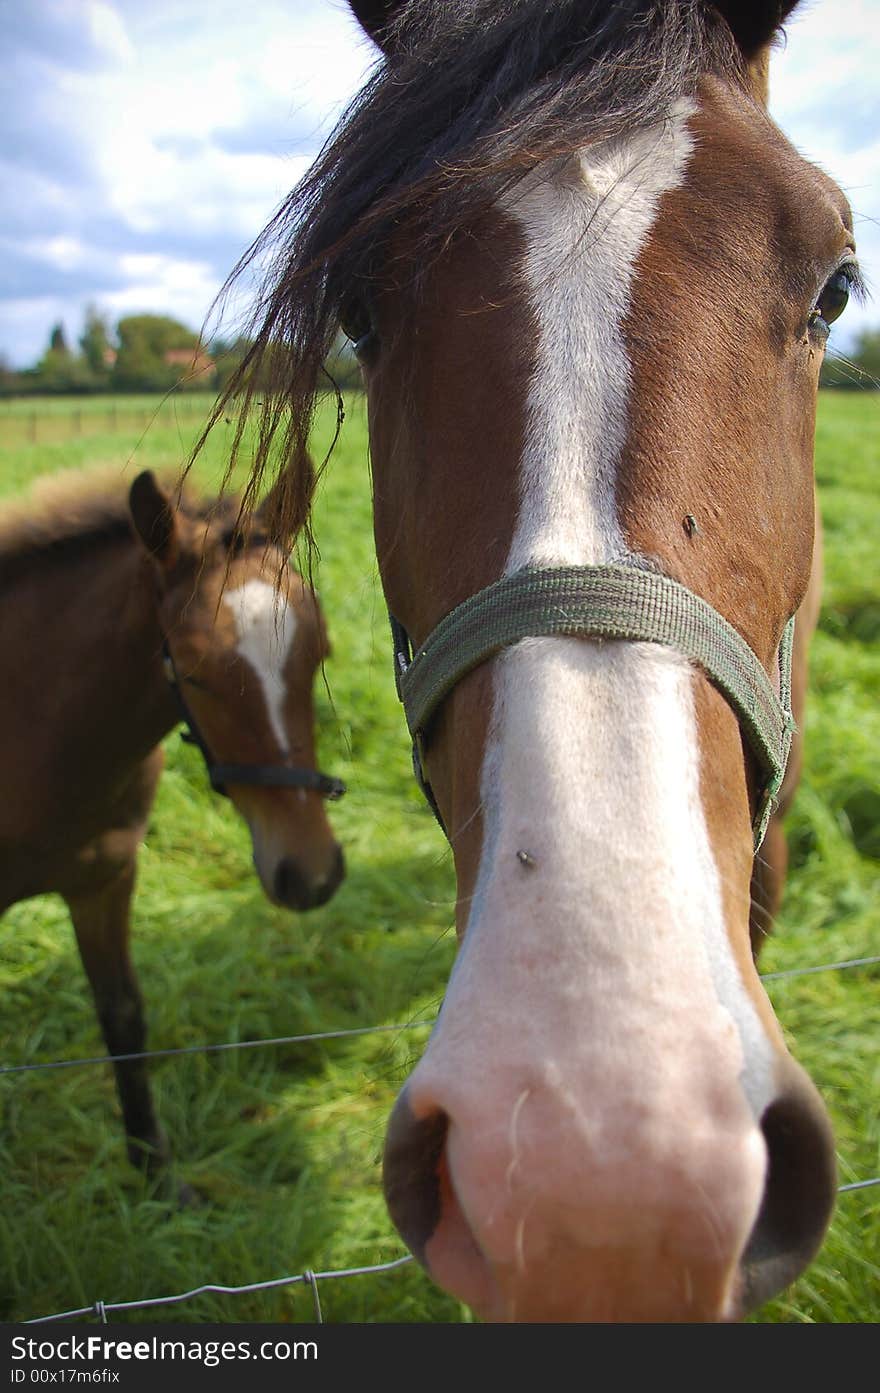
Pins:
x: 859, y: 369
x: 154, y: 353
x: 142, y: 353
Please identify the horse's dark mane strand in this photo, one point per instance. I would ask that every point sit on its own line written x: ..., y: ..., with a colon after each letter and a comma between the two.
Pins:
x: 477, y: 93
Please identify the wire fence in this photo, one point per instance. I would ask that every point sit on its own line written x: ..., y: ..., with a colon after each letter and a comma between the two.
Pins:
x: 100, y: 1309
x: 50, y: 422
x: 339, y: 1034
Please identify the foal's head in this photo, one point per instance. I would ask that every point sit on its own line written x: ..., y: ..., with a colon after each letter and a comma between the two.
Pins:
x: 245, y: 637
x: 589, y: 283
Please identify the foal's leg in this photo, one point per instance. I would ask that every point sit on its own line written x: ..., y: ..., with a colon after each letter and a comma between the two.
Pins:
x: 101, y: 920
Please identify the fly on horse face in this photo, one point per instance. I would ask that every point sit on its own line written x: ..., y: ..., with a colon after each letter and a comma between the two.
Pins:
x: 589, y: 283
x: 121, y: 616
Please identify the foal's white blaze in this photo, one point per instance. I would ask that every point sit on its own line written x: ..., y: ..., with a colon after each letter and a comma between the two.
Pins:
x: 609, y: 1012
x: 266, y: 627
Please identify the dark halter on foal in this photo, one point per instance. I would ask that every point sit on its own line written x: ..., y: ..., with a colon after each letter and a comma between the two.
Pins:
x: 602, y: 602
x: 259, y: 775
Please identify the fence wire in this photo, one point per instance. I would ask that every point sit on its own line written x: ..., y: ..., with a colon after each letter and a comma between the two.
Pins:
x: 99, y: 1309
x: 336, y: 1034
x: 214, y: 1049
x: 310, y: 1278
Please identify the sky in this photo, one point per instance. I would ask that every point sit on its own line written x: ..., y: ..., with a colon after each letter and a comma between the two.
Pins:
x: 144, y: 144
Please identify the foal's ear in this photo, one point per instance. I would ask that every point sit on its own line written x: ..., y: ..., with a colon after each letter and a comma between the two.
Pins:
x: 153, y: 518
x: 755, y: 24
x: 374, y: 17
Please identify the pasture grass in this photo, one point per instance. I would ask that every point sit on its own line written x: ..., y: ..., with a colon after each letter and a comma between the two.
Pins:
x: 284, y: 1144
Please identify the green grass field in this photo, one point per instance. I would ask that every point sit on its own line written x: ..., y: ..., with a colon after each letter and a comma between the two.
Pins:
x: 284, y: 1144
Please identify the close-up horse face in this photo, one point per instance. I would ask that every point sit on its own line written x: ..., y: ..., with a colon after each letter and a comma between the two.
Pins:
x: 589, y: 283
x: 246, y: 637
x: 618, y: 365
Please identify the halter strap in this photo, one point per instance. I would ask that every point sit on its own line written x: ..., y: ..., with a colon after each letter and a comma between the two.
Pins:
x: 256, y: 775
x: 601, y: 602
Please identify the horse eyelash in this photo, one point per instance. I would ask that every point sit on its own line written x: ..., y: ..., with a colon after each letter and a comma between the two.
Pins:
x: 860, y: 286
x: 857, y: 283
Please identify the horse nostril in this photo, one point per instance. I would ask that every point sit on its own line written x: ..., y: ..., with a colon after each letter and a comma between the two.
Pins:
x: 411, y: 1173
x: 334, y: 878
x: 294, y: 888
x: 799, y: 1193
x: 291, y: 887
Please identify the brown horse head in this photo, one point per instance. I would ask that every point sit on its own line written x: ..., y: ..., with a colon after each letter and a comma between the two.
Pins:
x: 589, y: 283
x: 245, y: 637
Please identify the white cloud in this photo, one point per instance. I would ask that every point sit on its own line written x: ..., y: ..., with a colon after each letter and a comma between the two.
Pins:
x: 108, y: 32
x: 167, y: 126
x: 67, y: 253
x: 825, y: 55
x: 170, y: 285
x: 151, y: 142
x: 825, y: 95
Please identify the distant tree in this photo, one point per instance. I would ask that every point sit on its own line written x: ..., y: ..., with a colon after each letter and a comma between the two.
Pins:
x: 857, y: 369
x: 10, y: 380
x: 59, y: 370
x: 95, y: 343
x: 58, y: 340
x: 866, y: 354
x: 228, y: 355
x: 155, y: 353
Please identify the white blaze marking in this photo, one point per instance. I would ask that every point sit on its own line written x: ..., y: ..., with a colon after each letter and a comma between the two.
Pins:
x: 583, y: 237
x: 265, y: 625
x: 593, y: 757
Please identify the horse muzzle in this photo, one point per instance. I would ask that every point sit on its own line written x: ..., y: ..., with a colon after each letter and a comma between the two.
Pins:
x: 296, y: 886
x: 533, y: 1198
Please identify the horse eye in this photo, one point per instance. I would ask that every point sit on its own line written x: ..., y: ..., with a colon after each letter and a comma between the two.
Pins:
x: 833, y: 299
x: 235, y: 541
x: 356, y: 323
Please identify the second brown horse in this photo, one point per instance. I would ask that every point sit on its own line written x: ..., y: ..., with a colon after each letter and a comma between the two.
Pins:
x: 122, y: 615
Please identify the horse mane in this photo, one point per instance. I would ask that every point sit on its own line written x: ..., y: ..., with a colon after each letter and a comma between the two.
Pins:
x: 475, y: 94
x: 66, y: 514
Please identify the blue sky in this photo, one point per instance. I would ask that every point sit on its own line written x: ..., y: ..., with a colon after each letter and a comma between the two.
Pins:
x: 147, y: 142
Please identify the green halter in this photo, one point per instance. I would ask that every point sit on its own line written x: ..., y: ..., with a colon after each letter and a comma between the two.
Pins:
x: 601, y: 602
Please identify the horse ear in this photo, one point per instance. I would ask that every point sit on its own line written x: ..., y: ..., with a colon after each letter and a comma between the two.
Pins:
x: 153, y: 518
x: 374, y: 17
x: 754, y: 25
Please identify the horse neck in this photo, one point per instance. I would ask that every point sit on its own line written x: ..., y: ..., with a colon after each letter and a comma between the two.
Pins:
x: 139, y: 694
x: 121, y: 701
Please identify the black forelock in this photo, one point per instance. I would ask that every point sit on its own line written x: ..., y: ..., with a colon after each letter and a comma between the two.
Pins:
x: 474, y: 94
